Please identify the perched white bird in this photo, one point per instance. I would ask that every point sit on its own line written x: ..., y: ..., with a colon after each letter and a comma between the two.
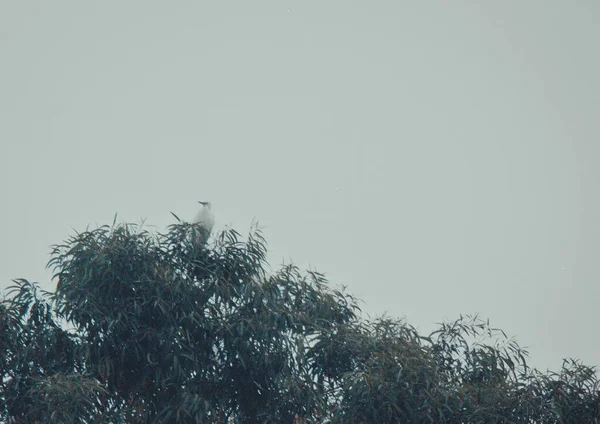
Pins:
x: 204, y: 221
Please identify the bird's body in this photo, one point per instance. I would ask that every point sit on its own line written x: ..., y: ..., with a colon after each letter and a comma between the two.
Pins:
x: 204, y: 222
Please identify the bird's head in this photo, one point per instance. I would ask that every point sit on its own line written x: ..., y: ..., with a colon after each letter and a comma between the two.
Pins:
x: 206, y: 204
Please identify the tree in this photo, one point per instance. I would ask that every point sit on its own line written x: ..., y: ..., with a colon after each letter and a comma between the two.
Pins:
x: 157, y: 328
x: 168, y: 330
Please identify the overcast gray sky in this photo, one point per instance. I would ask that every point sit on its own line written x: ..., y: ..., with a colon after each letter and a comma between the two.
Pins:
x: 436, y: 157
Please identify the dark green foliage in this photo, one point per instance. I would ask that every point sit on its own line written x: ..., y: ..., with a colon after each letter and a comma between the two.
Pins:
x: 166, y: 330
x: 39, y: 366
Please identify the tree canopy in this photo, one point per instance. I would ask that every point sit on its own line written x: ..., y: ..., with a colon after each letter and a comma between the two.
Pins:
x: 156, y: 328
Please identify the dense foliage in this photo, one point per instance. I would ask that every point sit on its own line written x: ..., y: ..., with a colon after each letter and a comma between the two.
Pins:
x: 158, y: 328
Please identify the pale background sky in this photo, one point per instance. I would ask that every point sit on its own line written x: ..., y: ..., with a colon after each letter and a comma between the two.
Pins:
x: 436, y: 157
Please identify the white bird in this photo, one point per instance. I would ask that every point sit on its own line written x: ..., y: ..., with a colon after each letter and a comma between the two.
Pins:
x: 204, y: 222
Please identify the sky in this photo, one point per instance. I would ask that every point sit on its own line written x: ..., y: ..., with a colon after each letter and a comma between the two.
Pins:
x: 437, y: 158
